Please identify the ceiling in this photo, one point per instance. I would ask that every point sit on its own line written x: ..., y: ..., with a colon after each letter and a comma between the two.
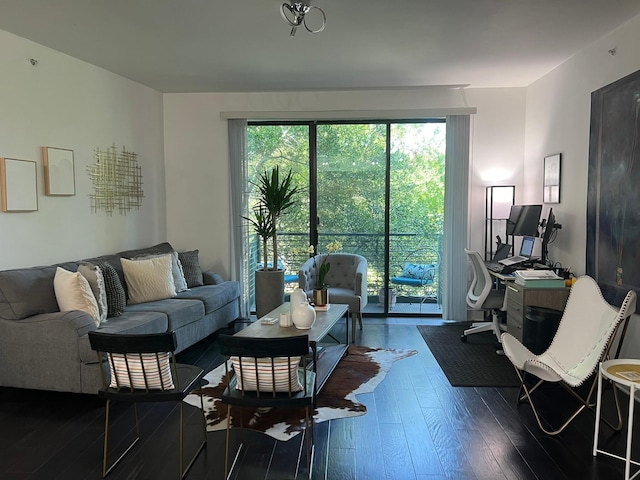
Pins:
x: 244, y: 45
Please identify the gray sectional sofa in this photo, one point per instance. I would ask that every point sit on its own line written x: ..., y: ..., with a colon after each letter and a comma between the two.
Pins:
x: 45, y: 349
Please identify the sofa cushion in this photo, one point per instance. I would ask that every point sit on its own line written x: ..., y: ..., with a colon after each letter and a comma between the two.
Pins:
x: 180, y: 312
x: 130, y: 323
x: 191, y: 268
x: 74, y: 293
x: 213, y: 296
x: 149, y: 279
x: 160, y: 248
x: 29, y: 291
x: 94, y: 276
x: 116, y: 296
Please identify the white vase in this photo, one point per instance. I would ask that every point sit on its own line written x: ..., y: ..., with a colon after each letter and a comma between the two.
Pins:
x: 303, y: 316
x: 297, y: 297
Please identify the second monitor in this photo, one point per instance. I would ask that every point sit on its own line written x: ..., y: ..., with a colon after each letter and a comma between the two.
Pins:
x: 524, y: 220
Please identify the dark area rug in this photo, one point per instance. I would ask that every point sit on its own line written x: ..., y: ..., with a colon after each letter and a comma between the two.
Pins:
x: 471, y: 364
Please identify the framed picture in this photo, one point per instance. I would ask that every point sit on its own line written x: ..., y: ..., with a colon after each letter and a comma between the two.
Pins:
x: 59, y: 171
x: 613, y: 217
x: 551, y: 186
x: 19, y: 185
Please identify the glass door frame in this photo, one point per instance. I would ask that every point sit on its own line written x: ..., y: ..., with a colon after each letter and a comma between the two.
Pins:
x: 313, y: 189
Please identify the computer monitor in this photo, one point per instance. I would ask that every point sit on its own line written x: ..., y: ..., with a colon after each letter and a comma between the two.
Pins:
x: 512, y: 221
x: 526, y: 249
x: 524, y: 220
x: 550, y: 226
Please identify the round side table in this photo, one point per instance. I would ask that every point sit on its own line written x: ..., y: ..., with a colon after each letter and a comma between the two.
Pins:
x: 625, y: 372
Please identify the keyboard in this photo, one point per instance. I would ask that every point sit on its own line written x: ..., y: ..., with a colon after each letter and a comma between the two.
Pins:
x: 494, y: 266
x: 514, y: 260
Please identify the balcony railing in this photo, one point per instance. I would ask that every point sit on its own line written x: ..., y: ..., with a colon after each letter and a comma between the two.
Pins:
x: 403, y: 248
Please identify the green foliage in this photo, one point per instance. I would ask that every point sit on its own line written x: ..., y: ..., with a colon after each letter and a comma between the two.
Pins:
x: 264, y: 227
x: 275, y: 196
x: 351, y: 161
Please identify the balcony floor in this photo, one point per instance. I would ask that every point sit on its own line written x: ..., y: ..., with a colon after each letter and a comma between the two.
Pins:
x: 405, y: 308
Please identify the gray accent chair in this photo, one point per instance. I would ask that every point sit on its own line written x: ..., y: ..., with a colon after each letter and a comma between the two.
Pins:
x: 347, y: 281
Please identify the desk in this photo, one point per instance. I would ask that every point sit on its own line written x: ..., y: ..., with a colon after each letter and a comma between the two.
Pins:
x: 520, y: 297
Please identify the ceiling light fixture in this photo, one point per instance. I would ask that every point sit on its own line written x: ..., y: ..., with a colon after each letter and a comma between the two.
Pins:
x: 294, y: 14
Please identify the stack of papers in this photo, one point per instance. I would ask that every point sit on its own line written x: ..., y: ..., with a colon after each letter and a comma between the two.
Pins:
x: 539, y: 279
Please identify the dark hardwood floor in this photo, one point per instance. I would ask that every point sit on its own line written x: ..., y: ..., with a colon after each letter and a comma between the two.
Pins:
x: 417, y: 427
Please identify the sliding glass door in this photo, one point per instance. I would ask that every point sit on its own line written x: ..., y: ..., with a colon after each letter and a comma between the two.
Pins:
x: 377, y: 188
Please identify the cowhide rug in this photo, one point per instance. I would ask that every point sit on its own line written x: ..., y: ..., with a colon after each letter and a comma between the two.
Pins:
x: 359, y: 372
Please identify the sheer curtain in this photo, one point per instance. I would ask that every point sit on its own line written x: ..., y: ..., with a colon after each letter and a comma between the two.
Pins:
x: 456, y: 206
x: 239, y: 229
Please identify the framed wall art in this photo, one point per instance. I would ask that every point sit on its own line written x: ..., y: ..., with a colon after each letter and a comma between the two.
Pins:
x: 18, y: 182
x: 551, y: 183
x: 613, y: 217
x: 59, y: 171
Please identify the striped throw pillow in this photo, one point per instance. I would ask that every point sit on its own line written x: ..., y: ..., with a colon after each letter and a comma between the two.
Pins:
x: 157, y: 371
x: 285, y: 372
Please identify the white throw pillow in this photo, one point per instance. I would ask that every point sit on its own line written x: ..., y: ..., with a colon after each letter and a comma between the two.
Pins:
x: 283, y: 372
x: 74, y: 293
x: 149, y: 279
x: 94, y: 276
x: 156, y: 379
x: 176, y: 268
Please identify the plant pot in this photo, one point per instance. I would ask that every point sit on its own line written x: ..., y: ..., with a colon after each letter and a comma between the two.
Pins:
x: 269, y: 290
x: 382, y: 298
x: 320, y: 297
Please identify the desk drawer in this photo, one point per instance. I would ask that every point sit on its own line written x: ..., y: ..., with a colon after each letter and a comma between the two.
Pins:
x: 515, y: 310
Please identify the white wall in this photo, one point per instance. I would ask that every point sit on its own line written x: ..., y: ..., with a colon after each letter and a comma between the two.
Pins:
x: 196, y: 152
x: 557, y: 121
x: 66, y: 103
x: 558, y: 113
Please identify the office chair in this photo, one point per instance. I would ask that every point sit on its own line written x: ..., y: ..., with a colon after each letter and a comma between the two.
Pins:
x: 482, y: 296
x: 583, y: 339
x: 268, y: 373
x: 142, y: 368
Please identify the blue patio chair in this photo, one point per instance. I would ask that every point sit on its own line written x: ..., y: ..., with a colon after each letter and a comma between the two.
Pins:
x: 420, y: 273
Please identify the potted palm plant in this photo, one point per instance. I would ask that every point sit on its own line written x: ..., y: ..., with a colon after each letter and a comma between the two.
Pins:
x: 275, y: 195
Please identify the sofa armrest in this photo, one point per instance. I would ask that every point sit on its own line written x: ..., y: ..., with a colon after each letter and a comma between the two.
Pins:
x: 43, y: 351
x: 360, y: 286
x: 212, y: 278
x: 306, y: 275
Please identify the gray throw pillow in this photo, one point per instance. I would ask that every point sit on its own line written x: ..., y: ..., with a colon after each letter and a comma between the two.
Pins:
x: 94, y: 276
x: 191, y: 268
x: 116, y: 296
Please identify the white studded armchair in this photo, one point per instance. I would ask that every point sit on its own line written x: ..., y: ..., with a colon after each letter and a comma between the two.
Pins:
x: 346, y: 279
